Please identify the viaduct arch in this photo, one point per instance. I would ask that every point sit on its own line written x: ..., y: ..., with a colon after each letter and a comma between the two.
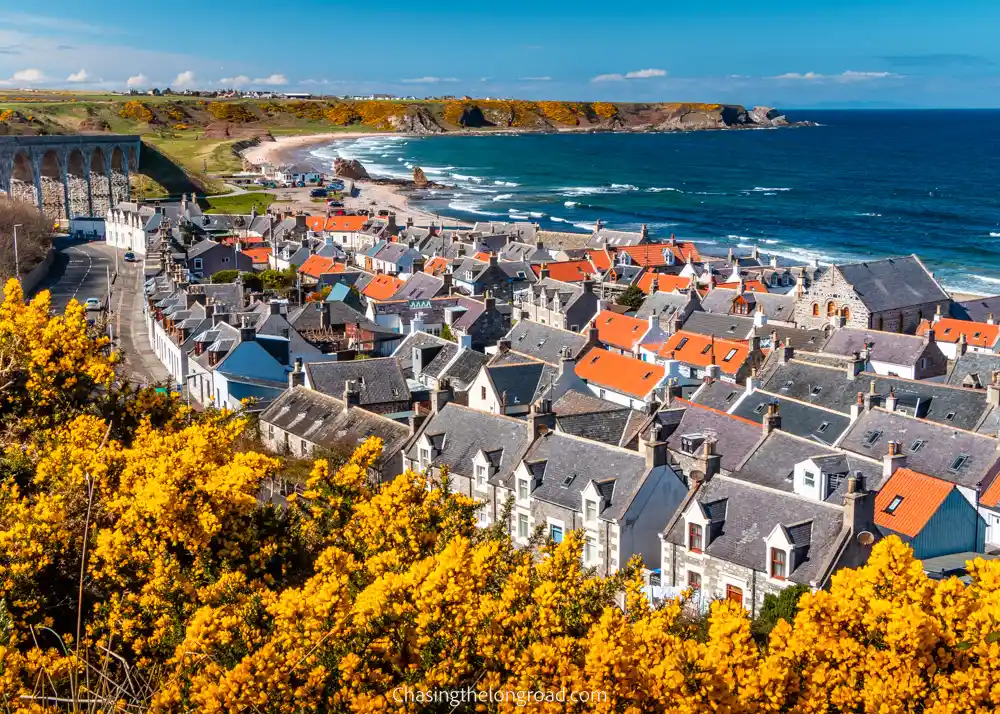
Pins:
x: 68, y: 176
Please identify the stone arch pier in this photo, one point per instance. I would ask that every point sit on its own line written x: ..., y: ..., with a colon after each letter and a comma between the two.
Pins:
x: 68, y: 176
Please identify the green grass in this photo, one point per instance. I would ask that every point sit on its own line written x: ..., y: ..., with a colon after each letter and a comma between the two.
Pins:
x: 240, y: 203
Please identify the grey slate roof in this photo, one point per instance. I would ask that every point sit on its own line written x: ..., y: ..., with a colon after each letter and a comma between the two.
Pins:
x: 751, y: 513
x: 890, y: 347
x: 718, y: 394
x: 557, y: 457
x: 419, y: 286
x: 404, y: 352
x: 974, y: 369
x: 464, y: 369
x: 821, y: 426
x: 377, y: 380
x: 662, y: 303
x: 735, y: 438
x: 801, y: 340
x: 829, y: 387
x: 459, y: 433
x: 777, y: 306
x: 892, y: 283
x: 731, y: 327
x: 978, y: 309
x: 544, y: 342
x: 603, y: 237
x: 939, y: 454
x: 774, y: 460
x: 520, y: 382
x: 590, y: 417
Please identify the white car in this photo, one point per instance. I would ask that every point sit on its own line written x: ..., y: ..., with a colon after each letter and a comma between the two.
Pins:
x: 93, y: 304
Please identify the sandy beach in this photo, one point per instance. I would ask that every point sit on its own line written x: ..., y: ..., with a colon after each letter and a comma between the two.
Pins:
x: 278, y: 151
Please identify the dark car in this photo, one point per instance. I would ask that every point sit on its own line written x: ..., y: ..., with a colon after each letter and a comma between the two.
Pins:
x: 318, y: 193
x: 130, y: 257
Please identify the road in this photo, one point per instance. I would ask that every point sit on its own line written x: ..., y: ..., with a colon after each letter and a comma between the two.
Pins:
x: 81, y: 271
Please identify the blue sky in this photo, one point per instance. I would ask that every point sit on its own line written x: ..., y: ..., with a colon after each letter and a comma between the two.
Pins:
x: 825, y: 53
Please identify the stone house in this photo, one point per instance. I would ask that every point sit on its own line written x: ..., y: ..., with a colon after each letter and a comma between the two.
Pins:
x: 550, y: 302
x: 889, y: 353
x: 206, y: 258
x: 893, y: 294
x: 377, y: 385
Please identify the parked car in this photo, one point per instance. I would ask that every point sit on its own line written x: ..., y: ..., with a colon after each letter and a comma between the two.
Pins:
x: 318, y: 193
x: 93, y: 303
x: 130, y: 257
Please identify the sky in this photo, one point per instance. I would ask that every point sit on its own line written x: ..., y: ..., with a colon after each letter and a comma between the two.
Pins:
x: 820, y: 54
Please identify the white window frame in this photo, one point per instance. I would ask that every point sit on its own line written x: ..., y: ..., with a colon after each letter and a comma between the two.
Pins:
x: 522, y: 486
x: 480, y: 476
x: 555, y: 522
x: 525, y: 520
x: 590, y: 544
x: 424, y: 457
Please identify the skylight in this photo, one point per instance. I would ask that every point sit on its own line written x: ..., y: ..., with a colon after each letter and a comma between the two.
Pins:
x: 894, y: 504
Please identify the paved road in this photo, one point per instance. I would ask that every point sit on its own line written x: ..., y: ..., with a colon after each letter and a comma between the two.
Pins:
x: 81, y: 271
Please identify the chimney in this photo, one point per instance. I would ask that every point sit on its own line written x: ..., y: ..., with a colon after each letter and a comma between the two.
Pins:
x: 274, y: 308
x: 592, y: 336
x: 539, y: 244
x: 588, y: 286
x: 993, y: 390
x: 489, y: 302
x: 759, y: 318
x: 446, y: 284
x: 989, y: 319
x: 441, y: 396
x: 415, y: 421
x: 653, y: 448
x: 541, y: 418
x: 890, y: 401
x: 753, y: 381
x: 418, y: 265
x: 709, y: 462
x: 598, y: 225
x: 893, y: 460
x: 772, y: 418
x: 409, y: 222
x: 937, y: 314
x: 785, y: 353
x: 247, y: 332
x: 855, y: 366
x: 297, y: 377
x: 859, y: 505
x: 857, y: 407
x: 654, y: 285
x: 672, y: 391
x: 503, y: 345
x: 493, y: 259
x: 644, y: 232
x: 929, y: 336
x: 352, y: 397
x: 963, y: 345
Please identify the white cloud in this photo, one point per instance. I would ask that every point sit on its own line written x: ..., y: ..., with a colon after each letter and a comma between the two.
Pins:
x: 428, y: 80
x: 80, y: 76
x: 609, y: 78
x: 29, y: 76
x: 138, y: 80
x: 315, y: 81
x: 808, y: 76
x: 852, y: 76
x: 843, y: 77
x: 184, y: 79
x: 272, y: 80
x: 646, y: 74
x: 237, y: 81
x: 534, y: 79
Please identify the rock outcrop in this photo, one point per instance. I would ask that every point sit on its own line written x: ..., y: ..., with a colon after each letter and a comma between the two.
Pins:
x: 767, y: 116
x: 419, y: 121
x: 350, y: 169
x: 419, y: 178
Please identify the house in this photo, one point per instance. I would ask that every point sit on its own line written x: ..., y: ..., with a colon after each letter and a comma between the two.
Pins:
x: 820, y: 425
x: 503, y: 278
x: 989, y: 509
x: 569, y: 271
x: 475, y: 323
x: 344, y: 231
x: 206, y: 258
x: 551, y: 302
x: 974, y: 369
x: 334, y: 326
x: 261, y: 257
x: 980, y: 309
x: 302, y: 422
x: 670, y: 309
x: 627, y: 335
x: 620, y: 379
x: 435, y: 363
x: 956, y: 337
x: 511, y: 388
x: 691, y: 357
x: 133, y: 227
x: 615, y: 496
x: 929, y: 514
x: 729, y: 327
x: 240, y: 369
x: 395, y: 259
x: 297, y: 173
x: 381, y: 287
x: 774, y: 307
x: 316, y: 266
x: 377, y: 385
x: 739, y: 541
x: 652, y: 283
x: 702, y: 439
x: 582, y: 414
x: 893, y: 295
x: 270, y: 319
x: 437, y: 266
x: 546, y: 343
x: 603, y: 238
x: 889, y: 353
x: 421, y: 286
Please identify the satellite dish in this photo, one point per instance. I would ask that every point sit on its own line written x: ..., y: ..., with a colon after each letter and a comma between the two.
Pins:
x: 866, y: 538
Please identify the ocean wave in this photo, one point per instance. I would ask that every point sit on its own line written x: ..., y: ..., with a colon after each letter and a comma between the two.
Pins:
x: 874, y: 215
x: 506, y: 183
x: 571, y: 191
x: 994, y: 235
x: 477, y: 189
x: 571, y: 204
x: 765, y: 189
x: 470, y: 207
x: 519, y: 216
x: 463, y: 177
x: 437, y: 170
x: 557, y: 219
x: 733, y: 236
x: 536, y: 214
x: 986, y: 279
x: 586, y: 226
x: 656, y: 189
x: 503, y: 197
x: 624, y: 187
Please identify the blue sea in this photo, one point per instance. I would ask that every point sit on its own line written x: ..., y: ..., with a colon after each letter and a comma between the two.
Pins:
x: 863, y: 184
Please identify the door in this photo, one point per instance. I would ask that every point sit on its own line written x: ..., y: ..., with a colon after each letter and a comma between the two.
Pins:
x: 734, y: 594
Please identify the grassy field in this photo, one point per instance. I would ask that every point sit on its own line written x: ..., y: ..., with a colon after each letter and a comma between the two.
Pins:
x: 241, y: 203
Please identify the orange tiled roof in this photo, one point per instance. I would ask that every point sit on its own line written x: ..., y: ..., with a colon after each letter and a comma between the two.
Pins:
x: 626, y: 375
x: 921, y: 495
x: 699, y: 350
x: 568, y: 271
x: 382, y: 287
x: 482, y: 255
x: 336, y: 223
x: 244, y: 240
x: 664, y: 283
x: 600, y: 259
x: 947, y: 329
x: 316, y: 265
x: 750, y: 286
x: 991, y: 497
x: 437, y: 266
x: 619, y: 331
x: 258, y: 255
x: 652, y: 254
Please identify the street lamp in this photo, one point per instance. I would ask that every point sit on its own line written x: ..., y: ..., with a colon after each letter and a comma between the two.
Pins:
x: 17, y: 261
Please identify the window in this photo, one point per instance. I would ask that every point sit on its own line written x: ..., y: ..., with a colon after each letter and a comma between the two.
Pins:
x: 893, y: 505
x: 923, y: 363
x: 831, y: 309
x: 759, y: 409
x: 872, y: 436
x: 823, y: 427
x: 225, y: 259
x: 787, y: 385
x: 815, y: 309
x: 777, y: 564
x: 555, y: 532
x: 707, y: 349
x: 589, y: 550
x: 198, y: 264
x: 694, y: 581
x: 949, y: 416
x: 522, y: 525
x: 480, y: 476
x: 917, y: 445
x: 809, y: 479
x: 731, y: 396
x: 425, y: 458
x: 695, y: 538
x: 590, y: 510
x: 959, y: 462
x: 483, y: 393
x: 734, y: 594
x: 815, y: 391
x: 846, y: 312
x: 730, y: 355
x: 522, y: 489
x: 684, y: 341
x: 601, y: 393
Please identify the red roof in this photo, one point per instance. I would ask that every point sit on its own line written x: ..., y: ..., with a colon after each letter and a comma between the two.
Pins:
x: 664, y: 283
x: 655, y: 254
x: 437, y: 266
x: 482, y: 255
x: 243, y: 240
x: 258, y: 255
x: 750, y: 286
x: 382, y: 287
x: 625, y: 375
x: 336, y: 223
x: 601, y: 259
x: 991, y: 497
x: 947, y: 329
x: 619, y: 331
x: 908, y: 500
x: 569, y: 271
x: 702, y: 350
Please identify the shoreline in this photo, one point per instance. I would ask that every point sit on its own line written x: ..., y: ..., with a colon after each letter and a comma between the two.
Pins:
x: 278, y: 151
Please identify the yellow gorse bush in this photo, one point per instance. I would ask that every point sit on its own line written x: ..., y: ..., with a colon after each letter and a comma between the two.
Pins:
x: 199, y: 594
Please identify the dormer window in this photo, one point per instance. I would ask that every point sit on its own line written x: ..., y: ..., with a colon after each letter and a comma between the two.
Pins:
x: 696, y: 537
x: 522, y: 489
x: 590, y: 510
x: 779, y: 564
x: 425, y: 458
x: 480, y: 476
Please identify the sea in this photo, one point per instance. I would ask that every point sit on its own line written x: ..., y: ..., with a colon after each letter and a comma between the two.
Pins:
x: 860, y: 185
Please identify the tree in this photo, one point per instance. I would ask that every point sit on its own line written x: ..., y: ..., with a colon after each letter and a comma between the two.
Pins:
x: 251, y: 281
x: 34, y: 236
x: 224, y: 276
x: 631, y: 297
x: 447, y: 334
x: 278, y: 279
x: 778, y: 607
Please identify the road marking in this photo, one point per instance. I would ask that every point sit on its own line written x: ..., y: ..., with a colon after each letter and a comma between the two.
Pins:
x: 90, y: 265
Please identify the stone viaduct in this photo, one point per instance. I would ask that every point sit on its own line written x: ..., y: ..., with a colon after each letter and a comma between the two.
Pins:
x: 68, y: 176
